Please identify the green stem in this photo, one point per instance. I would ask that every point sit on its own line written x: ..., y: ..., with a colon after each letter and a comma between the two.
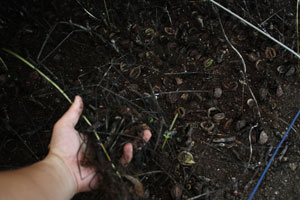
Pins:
x: 167, y: 136
x: 105, y: 6
x: 3, y: 63
x: 173, y: 122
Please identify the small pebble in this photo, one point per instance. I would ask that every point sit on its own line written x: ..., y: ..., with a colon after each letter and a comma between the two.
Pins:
x: 176, y: 192
x: 240, y: 124
x: 291, y: 71
x: 263, y: 138
x: 263, y: 92
x: 293, y: 166
x: 184, y: 96
x: 217, y: 92
x: 253, y: 57
x: 179, y: 81
x: 279, y: 91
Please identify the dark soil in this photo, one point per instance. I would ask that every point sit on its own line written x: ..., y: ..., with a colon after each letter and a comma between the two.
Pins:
x: 158, y: 58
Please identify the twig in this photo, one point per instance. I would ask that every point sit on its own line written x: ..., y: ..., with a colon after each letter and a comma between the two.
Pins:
x: 201, y: 195
x: 166, y: 10
x: 128, y: 101
x: 257, y: 29
x: 244, y: 72
x: 53, y: 50
x: 293, y: 128
x: 250, y: 143
x: 9, y: 128
x: 149, y: 173
x: 85, y: 10
x: 45, y: 42
x: 182, y: 73
x: 181, y: 91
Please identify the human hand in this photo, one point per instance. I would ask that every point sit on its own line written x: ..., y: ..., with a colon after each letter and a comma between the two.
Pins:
x: 66, y: 141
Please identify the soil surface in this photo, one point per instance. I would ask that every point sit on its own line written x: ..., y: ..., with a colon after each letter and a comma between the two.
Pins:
x: 166, y: 61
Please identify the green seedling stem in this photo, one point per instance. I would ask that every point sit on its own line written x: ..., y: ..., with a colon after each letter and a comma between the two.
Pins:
x: 168, y: 135
x: 105, y: 6
x: 68, y: 99
x: 3, y: 63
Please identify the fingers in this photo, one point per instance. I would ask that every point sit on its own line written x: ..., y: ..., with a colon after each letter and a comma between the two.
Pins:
x: 72, y: 116
x: 127, y: 154
x: 128, y: 148
x: 146, y: 134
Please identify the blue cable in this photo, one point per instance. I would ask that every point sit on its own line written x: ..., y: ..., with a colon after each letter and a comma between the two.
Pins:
x: 273, y: 156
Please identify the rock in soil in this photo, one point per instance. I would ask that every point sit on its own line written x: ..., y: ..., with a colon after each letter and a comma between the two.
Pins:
x: 293, y: 166
x: 176, y: 192
x: 263, y: 138
x: 217, y: 92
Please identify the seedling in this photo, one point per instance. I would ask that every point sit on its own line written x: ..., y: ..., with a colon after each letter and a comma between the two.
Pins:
x: 3, y: 64
x: 105, y: 6
x: 149, y: 31
x: 151, y: 120
x: 208, y: 62
x: 169, y: 133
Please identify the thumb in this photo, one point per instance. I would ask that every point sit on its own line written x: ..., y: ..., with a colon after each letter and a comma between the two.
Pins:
x: 71, y: 117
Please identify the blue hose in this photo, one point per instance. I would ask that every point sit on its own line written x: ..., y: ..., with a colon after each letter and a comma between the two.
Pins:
x: 273, y: 156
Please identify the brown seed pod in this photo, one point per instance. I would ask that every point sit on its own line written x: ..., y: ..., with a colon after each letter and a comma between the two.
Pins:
x: 281, y: 69
x: 228, y: 124
x: 135, y: 72
x: 250, y: 102
x: 169, y: 30
x: 176, y: 192
x: 259, y: 65
x: 218, y: 117
x: 231, y: 85
x: 186, y: 158
x: 123, y: 67
x: 180, y: 111
x: 207, y: 125
x: 215, y: 114
x: 270, y: 53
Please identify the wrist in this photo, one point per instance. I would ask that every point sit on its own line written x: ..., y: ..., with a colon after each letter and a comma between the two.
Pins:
x: 61, y: 169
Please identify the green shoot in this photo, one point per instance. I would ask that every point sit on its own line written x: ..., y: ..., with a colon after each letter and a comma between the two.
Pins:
x: 168, y: 134
x: 3, y: 64
x: 68, y: 99
x: 105, y: 6
x: 208, y: 62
